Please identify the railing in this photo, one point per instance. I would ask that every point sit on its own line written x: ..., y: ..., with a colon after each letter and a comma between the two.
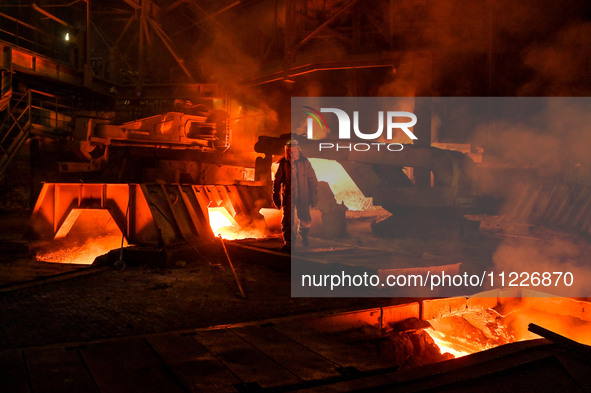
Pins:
x: 13, y: 30
x: 49, y: 114
x: 15, y: 128
x: 32, y: 113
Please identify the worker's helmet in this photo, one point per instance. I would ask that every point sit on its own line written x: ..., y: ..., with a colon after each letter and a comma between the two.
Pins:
x: 292, y: 143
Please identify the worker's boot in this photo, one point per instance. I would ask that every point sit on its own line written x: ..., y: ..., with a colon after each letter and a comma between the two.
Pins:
x: 304, y: 234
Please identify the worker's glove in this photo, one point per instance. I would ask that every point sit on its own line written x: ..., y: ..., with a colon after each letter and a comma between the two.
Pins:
x: 277, y: 201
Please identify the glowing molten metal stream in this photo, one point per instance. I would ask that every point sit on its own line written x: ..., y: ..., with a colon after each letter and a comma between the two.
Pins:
x: 222, y: 223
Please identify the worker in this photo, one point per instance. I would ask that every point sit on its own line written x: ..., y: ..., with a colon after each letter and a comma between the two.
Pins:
x: 295, y: 188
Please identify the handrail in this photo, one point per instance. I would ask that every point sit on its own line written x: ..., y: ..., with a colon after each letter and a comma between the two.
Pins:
x: 26, y: 39
x: 33, y: 103
x: 51, y: 106
x: 20, y: 99
x: 43, y: 93
x: 26, y: 110
x: 14, y: 130
x: 44, y: 109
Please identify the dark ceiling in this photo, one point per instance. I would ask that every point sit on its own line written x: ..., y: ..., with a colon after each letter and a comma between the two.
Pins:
x: 326, y: 47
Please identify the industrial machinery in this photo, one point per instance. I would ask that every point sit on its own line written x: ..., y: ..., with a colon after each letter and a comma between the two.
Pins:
x: 159, y: 216
x: 147, y: 213
x: 204, y: 131
x: 163, y: 182
x: 388, y: 179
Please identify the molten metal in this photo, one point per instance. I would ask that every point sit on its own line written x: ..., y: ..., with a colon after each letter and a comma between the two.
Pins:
x: 81, y: 253
x: 223, y: 224
x: 447, y: 347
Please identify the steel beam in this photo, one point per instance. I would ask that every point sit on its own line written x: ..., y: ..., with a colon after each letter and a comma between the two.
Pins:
x: 166, y: 41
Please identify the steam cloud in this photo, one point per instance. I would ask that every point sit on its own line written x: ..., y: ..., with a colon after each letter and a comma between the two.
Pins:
x: 558, y: 254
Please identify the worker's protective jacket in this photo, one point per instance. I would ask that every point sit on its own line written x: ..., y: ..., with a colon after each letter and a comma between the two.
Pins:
x: 304, y: 188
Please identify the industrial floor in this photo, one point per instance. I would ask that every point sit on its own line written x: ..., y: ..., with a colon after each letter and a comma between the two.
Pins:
x: 281, y: 356
x: 100, y: 302
x: 242, y: 358
x: 183, y: 328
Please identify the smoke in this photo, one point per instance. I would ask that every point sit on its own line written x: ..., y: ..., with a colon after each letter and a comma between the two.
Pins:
x: 520, y: 259
x: 231, y: 50
x: 230, y: 46
x: 570, y: 327
x: 533, y: 142
x: 402, y: 83
x: 517, y: 145
x: 561, y: 66
x: 224, y: 62
x: 558, y: 258
x: 249, y: 121
x: 445, y: 48
x: 496, y: 47
x: 536, y: 47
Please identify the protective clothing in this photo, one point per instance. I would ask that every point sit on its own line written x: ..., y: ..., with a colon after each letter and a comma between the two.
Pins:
x: 295, y: 188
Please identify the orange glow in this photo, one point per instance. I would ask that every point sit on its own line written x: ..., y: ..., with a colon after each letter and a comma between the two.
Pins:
x: 461, y: 334
x: 564, y: 316
x: 273, y: 219
x: 222, y: 223
x: 456, y: 349
x: 274, y: 168
x: 82, y: 254
x: 220, y: 218
x: 470, y: 332
x: 341, y: 184
x: 84, y: 235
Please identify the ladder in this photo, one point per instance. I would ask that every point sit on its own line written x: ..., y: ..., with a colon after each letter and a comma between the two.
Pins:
x: 32, y: 113
x: 15, y: 128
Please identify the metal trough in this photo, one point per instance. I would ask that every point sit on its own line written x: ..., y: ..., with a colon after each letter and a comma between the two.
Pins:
x: 147, y: 214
